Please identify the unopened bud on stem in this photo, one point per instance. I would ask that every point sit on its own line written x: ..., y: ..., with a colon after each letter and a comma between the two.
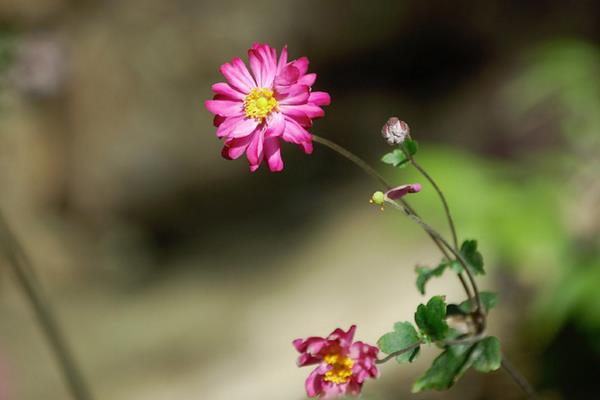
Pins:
x: 395, y: 131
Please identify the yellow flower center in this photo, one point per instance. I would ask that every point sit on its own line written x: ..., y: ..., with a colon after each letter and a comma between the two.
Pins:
x: 259, y: 103
x: 341, y: 370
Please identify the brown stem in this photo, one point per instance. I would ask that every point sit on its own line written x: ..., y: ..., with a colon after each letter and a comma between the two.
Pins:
x: 48, y: 323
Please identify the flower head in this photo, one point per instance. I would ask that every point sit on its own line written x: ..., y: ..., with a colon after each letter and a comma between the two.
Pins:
x: 254, y: 110
x: 341, y: 364
x: 395, y: 131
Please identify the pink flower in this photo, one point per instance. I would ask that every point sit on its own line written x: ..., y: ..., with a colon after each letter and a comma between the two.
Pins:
x: 342, y: 366
x: 253, y: 111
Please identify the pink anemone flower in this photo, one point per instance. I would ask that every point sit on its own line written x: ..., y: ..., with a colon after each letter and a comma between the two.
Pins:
x: 341, y: 365
x: 253, y: 111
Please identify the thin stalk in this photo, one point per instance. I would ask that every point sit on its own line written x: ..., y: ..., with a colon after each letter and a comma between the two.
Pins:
x: 377, y: 176
x: 23, y: 271
x: 456, y: 254
x: 518, y: 378
x: 399, y: 352
x: 446, y: 211
x: 440, y: 194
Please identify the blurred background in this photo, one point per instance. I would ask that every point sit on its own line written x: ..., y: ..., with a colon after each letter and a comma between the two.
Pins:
x: 179, y: 275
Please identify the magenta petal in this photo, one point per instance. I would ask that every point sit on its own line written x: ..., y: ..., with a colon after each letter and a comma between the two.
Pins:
x: 227, y: 91
x: 287, y: 76
x: 254, y: 152
x: 275, y: 126
x: 282, y: 59
x: 301, y: 64
x: 218, y: 120
x: 403, y: 190
x: 298, y: 115
x: 345, y: 338
x: 267, y: 63
x: 294, y: 133
x: 312, y: 111
x: 320, y: 98
x: 273, y: 154
x: 296, y: 94
x: 237, y: 75
x: 314, y: 383
x: 225, y: 108
x: 308, y: 79
x: 234, y: 148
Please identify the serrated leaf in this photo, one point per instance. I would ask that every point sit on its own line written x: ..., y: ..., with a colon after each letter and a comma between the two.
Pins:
x: 411, y: 146
x: 472, y: 256
x: 490, y: 357
x: 488, y: 301
x: 431, y: 318
x: 424, y: 274
x: 395, y: 158
x: 447, y: 368
x: 403, y: 336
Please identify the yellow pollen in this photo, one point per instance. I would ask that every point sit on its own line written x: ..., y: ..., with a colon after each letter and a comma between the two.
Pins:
x: 341, y: 370
x: 259, y: 103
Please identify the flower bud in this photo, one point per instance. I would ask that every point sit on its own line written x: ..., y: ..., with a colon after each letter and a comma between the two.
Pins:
x: 378, y: 198
x: 401, y: 191
x: 395, y: 131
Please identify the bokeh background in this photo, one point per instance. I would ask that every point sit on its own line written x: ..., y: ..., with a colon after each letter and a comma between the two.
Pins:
x: 179, y: 275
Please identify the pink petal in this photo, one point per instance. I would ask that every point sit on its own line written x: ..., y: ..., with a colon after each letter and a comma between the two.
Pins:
x: 273, y: 154
x: 282, y: 59
x: 294, y: 133
x: 301, y: 64
x: 287, y: 76
x: 403, y: 190
x: 237, y: 127
x: 276, y: 125
x: 225, y: 108
x: 234, y: 148
x: 297, y: 94
x: 314, y: 383
x: 298, y: 115
x: 312, y: 111
x: 345, y: 338
x: 320, y: 98
x: 268, y: 63
x: 254, y: 152
x: 227, y: 91
x: 308, y: 79
x: 218, y: 120
x: 238, y: 76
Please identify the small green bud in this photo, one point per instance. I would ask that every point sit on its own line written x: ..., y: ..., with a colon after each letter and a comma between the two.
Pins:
x: 378, y: 198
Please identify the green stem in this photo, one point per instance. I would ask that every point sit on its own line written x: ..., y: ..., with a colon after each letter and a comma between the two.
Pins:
x: 28, y: 283
x: 378, y: 177
x: 418, y: 167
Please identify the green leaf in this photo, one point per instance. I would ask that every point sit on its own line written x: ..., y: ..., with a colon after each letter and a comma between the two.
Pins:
x: 488, y: 301
x: 411, y: 146
x: 403, y: 336
x: 431, y: 318
x: 424, y: 274
x: 489, y: 358
x: 395, y: 158
x: 447, y: 368
x: 472, y: 256
x: 450, y: 365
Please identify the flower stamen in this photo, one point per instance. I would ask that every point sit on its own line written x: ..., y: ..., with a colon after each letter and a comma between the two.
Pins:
x: 259, y: 103
x: 341, y: 370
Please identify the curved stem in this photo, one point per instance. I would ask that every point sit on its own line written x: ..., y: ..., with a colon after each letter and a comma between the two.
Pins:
x: 440, y: 194
x: 436, y: 237
x: 456, y: 254
x: 354, y: 158
x: 26, y: 279
x: 518, y: 378
x: 446, y: 210
x: 399, y: 352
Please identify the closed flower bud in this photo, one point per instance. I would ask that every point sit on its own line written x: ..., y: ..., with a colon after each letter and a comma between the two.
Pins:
x: 395, y: 131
